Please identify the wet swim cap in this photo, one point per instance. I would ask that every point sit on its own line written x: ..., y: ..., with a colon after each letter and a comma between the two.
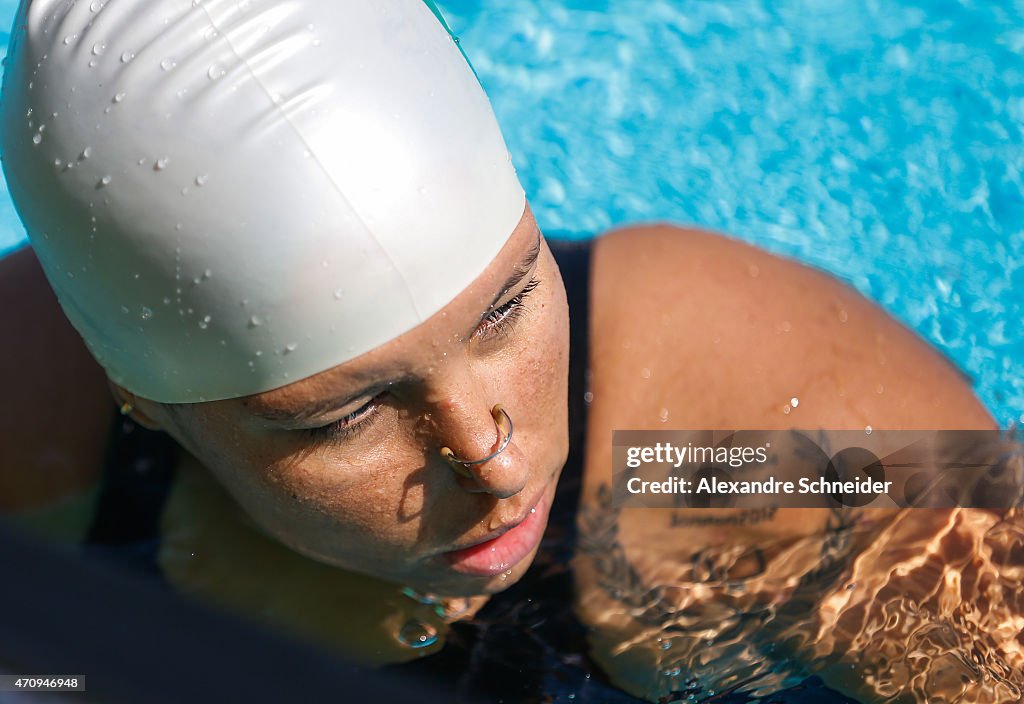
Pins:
x: 231, y: 195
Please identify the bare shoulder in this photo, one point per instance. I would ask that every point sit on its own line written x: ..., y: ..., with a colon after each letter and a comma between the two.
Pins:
x: 693, y: 329
x: 57, y: 409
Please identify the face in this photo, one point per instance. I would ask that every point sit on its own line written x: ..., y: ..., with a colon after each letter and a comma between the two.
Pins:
x: 345, y: 466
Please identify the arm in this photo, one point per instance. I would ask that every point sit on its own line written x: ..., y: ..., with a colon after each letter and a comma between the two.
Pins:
x: 57, y: 408
x: 716, y: 334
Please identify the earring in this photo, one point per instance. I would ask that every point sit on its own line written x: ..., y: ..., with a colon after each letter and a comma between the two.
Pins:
x: 127, y: 408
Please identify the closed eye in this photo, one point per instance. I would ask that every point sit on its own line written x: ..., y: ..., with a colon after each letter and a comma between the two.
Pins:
x: 351, y: 425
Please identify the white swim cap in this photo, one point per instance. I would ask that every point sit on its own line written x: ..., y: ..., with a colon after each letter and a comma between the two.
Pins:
x: 231, y: 195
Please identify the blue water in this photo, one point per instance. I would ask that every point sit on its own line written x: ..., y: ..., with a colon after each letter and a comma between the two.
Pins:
x: 881, y: 141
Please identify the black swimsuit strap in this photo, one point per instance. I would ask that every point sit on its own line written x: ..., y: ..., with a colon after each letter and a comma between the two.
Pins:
x: 136, y: 481
x: 573, y: 258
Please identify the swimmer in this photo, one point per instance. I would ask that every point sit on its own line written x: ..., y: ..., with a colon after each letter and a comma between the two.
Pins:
x: 289, y: 235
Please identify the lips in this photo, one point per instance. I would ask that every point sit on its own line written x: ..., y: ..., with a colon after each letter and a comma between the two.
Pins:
x: 494, y: 556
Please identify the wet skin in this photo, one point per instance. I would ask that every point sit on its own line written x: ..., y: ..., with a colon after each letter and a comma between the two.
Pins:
x: 708, y: 331
x: 382, y: 501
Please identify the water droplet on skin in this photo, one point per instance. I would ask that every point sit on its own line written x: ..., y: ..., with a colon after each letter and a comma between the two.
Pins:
x: 786, y: 409
x: 98, y: 48
x: 868, y: 429
x: 161, y: 163
x: 879, y: 389
x: 255, y: 321
x: 147, y: 313
x: 786, y: 326
x: 794, y: 402
x: 753, y: 270
x: 290, y: 347
x: 588, y: 397
x: 126, y: 57
x: 645, y: 373
x: 843, y: 317
x: 37, y: 139
x: 168, y: 63
x: 663, y: 415
x: 416, y: 634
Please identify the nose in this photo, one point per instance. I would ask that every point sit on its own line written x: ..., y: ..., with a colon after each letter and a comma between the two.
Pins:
x: 480, y: 448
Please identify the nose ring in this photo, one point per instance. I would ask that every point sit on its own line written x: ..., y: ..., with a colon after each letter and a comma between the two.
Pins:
x: 462, y: 466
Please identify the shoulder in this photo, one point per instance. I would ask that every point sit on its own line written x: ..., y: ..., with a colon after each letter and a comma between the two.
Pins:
x: 713, y: 332
x: 57, y: 409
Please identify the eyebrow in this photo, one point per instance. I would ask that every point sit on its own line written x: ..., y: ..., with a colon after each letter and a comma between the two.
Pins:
x: 312, y: 410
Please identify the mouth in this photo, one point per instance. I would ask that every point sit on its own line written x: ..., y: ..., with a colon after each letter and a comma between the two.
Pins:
x: 506, y: 547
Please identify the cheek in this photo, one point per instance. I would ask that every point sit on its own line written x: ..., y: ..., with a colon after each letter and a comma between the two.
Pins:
x: 316, y: 502
x: 538, y: 375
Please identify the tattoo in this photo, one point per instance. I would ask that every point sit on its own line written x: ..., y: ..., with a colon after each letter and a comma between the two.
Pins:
x: 745, y: 517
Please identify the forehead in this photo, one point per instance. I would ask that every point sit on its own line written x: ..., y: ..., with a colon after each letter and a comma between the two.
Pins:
x: 451, y: 324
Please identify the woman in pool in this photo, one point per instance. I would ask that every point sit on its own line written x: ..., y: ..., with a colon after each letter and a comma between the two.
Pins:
x: 290, y: 237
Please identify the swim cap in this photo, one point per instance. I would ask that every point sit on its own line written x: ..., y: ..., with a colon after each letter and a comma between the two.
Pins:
x: 231, y: 195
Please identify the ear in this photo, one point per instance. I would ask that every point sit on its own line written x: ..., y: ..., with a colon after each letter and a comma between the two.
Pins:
x: 137, y: 406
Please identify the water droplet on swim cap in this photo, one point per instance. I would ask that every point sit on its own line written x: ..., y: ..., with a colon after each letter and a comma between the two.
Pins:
x: 105, y: 181
x: 147, y: 313
x: 268, y: 213
x: 98, y: 48
x: 118, y: 97
x: 37, y: 139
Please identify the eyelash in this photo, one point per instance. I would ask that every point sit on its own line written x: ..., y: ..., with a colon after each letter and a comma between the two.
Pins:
x: 498, y: 322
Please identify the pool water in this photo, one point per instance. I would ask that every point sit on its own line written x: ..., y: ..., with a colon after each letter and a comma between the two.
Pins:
x: 881, y: 141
